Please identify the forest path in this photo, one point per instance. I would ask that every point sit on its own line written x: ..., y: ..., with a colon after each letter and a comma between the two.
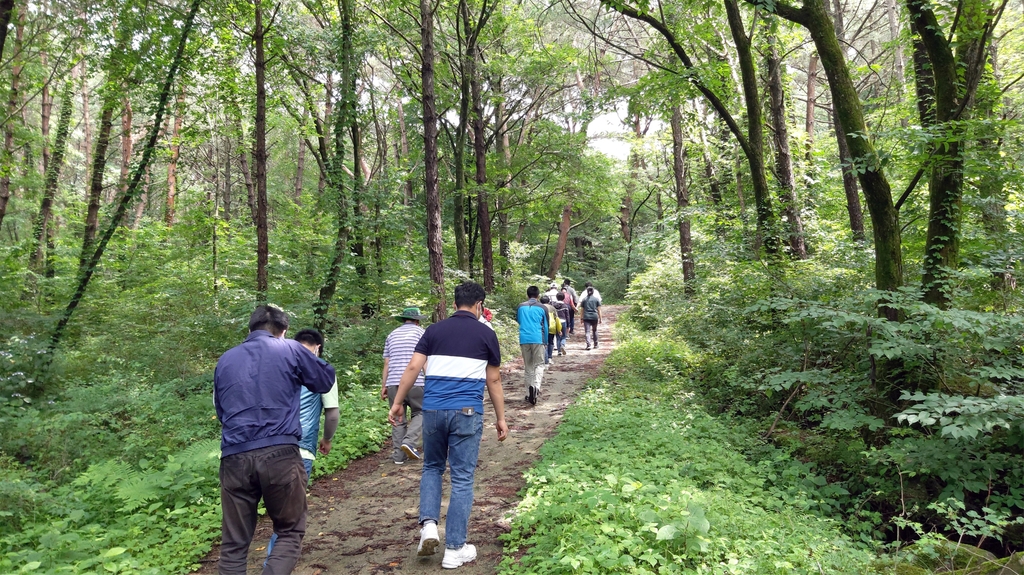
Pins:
x: 363, y: 519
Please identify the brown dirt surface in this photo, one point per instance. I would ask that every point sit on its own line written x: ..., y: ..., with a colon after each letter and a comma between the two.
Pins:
x: 363, y: 519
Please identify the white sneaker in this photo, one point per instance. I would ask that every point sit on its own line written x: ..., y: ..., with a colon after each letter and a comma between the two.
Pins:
x: 429, y: 540
x: 457, y: 557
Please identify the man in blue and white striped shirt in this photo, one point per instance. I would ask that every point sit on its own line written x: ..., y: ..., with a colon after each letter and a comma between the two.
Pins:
x: 462, y: 357
x: 398, y: 350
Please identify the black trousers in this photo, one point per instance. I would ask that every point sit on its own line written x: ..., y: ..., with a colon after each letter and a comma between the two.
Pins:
x: 276, y: 475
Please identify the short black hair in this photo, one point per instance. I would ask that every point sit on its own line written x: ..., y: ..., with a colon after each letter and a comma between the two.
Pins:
x: 532, y: 291
x: 560, y: 295
x: 269, y: 318
x: 468, y: 293
x: 566, y: 281
x: 311, y: 336
x: 589, y: 284
x: 545, y: 299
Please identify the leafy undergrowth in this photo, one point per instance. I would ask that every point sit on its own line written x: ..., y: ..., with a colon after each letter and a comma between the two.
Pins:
x: 144, y: 517
x: 640, y: 479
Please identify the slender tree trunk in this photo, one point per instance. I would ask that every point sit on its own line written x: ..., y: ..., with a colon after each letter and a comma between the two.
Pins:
x: 259, y: 157
x: 126, y: 199
x: 924, y: 79
x: 13, y: 102
x: 563, y: 237
x: 46, y: 109
x: 480, y: 151
x: 86, y: 116
x: 172, y: 164
x: 430, y: 169
x: 853, y: 207
x: 403, y: 138
x: 140, y: 206
x: 783, y: 159
x: 300, y: 164
x: 56, y: 162
x: 99, y: 166
x: 126, y: 146
x: 682, y: 199
x: 812, y: 87
x: 228, y: 161
x: 755, y: 131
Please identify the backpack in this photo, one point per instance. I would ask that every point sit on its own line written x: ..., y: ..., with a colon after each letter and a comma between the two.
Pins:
x: 554, y: 324
x: 568, y: 298
x: 562, y: 311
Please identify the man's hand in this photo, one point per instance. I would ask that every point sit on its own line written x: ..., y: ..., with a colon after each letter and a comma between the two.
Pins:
x: 325, y: 446
x: 502, y: 428
x: 397, y: 414
x: 384, y: 392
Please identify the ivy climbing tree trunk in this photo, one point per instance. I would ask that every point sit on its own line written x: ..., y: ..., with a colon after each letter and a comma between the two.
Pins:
x: 854, y: 211
x: 955, y: 78
x: 13, y: 103
x: 55, y: 163
x: 131, y: 194
x: 884, y: 218
x: 766, y: 225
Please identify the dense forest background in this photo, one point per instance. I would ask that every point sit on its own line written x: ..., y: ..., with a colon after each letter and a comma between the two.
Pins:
x: 812, y: 208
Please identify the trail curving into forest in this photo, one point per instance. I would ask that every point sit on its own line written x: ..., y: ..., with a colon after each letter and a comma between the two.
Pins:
x: 362, y: 520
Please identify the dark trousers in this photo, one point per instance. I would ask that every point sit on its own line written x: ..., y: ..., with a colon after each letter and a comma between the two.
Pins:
x: 276, y: 475
x: 572, y: 320
x: 590, y: 327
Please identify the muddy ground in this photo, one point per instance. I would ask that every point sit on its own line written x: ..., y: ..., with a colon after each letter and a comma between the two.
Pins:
x: 364, y: 519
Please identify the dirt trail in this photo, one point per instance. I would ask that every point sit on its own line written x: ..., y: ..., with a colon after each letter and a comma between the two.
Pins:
x: 364, y: 519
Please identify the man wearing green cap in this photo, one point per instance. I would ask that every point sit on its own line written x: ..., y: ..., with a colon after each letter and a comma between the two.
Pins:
x: 398, y: 350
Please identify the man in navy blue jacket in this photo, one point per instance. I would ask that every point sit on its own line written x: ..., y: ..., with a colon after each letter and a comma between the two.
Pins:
x: 256, y: 389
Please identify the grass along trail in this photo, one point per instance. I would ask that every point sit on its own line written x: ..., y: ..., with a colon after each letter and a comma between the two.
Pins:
x: 363, y: 519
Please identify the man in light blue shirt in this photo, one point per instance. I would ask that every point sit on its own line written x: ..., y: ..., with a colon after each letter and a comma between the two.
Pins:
x: 533, y: 340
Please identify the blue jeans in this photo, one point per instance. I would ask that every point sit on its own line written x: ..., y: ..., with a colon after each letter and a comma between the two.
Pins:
x: 450, y: 436
x: 308, y: 464
x: 561, y: 339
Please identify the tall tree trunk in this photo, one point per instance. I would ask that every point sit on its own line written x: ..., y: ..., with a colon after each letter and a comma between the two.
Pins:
x: 126, y: 199
x: 682, y: 199
x: 259, y: 157
x: 956, y: 78
x: 892, y: 11
x: 300, y: 163
x: 228, y: 161
x: 755, y: 131
x: 563, y: 237
x: 86, y: 116
x: 626, y: 205
x: 430, y: 169
x: 45, y: 111
x: 853, y: 207
x: 99, y: 166
x: 336, y: 167
x: 172, y: 164
x: 501, y: 146
x: 783, y: 159
x: 480, y: 151
x: 924, y: 79
x: 403, y: 140
x: 6, y: 13
x: 126, y: 146
x: 884, y: 217
x: 13, y: 102
x: 56, y: 162
x: 459, y: 153
x: 812, y: 87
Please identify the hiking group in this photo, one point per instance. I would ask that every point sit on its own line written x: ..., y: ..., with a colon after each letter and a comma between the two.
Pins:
x: 270, y: 392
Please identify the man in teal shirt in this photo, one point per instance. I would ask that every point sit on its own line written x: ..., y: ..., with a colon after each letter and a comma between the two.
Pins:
x: 533, y: 340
